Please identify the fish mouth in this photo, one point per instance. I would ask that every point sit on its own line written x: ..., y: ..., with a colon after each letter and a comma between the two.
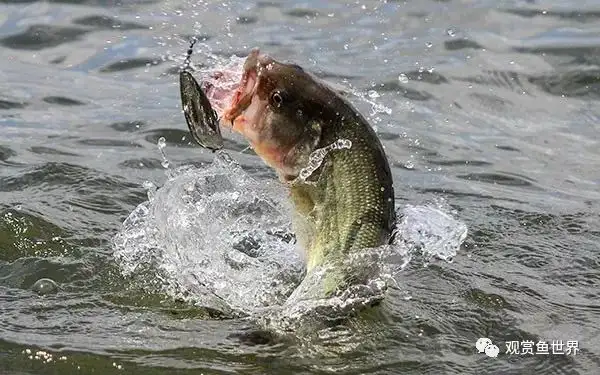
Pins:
x: 247, y: 114
x: 246, y: 93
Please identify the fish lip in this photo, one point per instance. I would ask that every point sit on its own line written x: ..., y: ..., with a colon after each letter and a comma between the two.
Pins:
x: 248, y: 86
x: 243, y: 96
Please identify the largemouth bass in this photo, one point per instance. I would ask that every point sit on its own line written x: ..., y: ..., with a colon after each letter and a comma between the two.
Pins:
x: 320, y: 146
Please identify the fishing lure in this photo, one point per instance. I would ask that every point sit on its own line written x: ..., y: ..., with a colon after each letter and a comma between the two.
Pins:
x: 201, y: 118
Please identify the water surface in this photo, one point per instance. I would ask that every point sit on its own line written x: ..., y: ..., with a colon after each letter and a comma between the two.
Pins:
x: 490, y: 108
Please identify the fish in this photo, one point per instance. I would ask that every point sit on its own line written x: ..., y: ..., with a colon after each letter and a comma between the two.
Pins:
x: 322, y: 149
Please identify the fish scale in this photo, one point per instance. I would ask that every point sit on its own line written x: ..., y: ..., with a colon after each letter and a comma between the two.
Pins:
x: 348, y: 209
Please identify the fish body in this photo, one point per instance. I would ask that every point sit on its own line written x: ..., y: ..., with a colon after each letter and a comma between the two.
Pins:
x: 345, y: 202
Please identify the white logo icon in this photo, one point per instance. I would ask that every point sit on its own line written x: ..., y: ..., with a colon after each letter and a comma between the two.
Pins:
x: 484, y: 345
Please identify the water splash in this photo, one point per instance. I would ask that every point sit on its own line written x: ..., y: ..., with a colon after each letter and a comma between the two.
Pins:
x: 218, y: 238
x: 403, y: 78
x: 162, y: 143
x: 213, y: 236
x: 375, y: 106
x: 373, y: 94
x: 317, y: 156
x: 432, y: 230
x: 372, y: 271
x: 150, y: 189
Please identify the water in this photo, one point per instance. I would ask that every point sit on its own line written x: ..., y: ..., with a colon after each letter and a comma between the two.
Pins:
x: 488, y: 113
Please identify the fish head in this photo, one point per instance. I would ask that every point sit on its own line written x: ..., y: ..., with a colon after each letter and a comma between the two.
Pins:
x: 280, y: 109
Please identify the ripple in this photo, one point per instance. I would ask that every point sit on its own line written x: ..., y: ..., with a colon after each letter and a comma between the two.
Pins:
x: 106, y: 22
x: 24, y: 234
x: 333, y: 75
x: 24, y: 272
x: 507, y: 148
x: 578, y: 84
x: 500, y: 179
x: 128, y: 64
x: 51, y: 175
x: 102, y: 3
x: 267, y: 4
x: 459, y: 194
x: 404, y: 91
x: 128, y: 126
x: 491, y: 101
x: 246, y: 20
x: 101, y: 203
x: 38, y: 37
x: 426, y: 76
x: 569, y: 52
x: 487, y: 300
x: 6, y: 153
x: 43, y: 150
x: 61, y: 100
x: 58, y: 60
x: 108, y: 143
x: 302, y: 13
x: 530, y: 256
x: 143, y: 163
x: 458, y: 44
x: 505, y: 79
x: 7, y: 104
x: 474, y: 163
x: 579, y: 15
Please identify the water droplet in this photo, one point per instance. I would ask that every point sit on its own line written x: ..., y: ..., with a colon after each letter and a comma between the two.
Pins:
x: 342, y: 143
x: 373, y: 94
x: 317, y: 156
x: 403, y: 78
x: 150, y: 189
x: 44, y: 287
x: 162, y: 143
x: 149, y: 185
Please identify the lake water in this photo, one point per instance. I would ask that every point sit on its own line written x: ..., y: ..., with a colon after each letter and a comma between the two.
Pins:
x: 489, y: 114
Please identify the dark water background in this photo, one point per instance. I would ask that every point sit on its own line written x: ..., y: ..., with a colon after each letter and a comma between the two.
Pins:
x: 497, y: 113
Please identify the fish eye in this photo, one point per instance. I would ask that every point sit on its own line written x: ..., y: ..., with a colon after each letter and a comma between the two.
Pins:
x: 277, y: 98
